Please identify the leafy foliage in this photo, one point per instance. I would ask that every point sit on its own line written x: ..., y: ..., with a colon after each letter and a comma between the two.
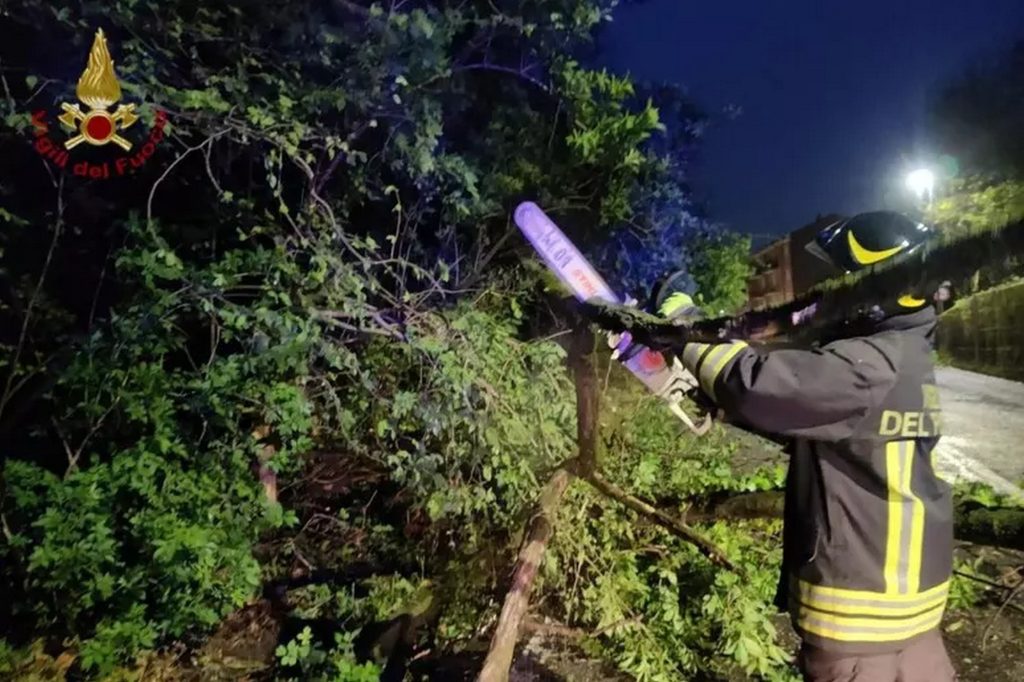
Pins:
x: 984, y: 495
x: 656, y: 607
x: 720, y: 271
x: 975, y: 205
x: 963, y: 591
x: 337, y: 665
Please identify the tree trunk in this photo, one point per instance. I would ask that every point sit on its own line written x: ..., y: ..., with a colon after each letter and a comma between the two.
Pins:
x: 1003, y: 527
x: 581, y: 359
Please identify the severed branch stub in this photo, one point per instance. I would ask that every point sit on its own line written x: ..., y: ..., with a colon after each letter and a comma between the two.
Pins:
x: 581, y: 360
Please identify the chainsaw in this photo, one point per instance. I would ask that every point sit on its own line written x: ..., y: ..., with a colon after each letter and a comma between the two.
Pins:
x: 665, y: 378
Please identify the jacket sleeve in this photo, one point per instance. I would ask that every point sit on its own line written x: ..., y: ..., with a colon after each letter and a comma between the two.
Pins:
x: 820, y: 394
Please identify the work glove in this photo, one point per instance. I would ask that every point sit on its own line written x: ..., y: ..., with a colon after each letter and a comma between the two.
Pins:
x: 645, y: 329
x: 622, y: 342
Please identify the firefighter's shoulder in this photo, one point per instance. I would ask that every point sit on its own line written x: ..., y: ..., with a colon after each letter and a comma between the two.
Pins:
x: 876, y: 357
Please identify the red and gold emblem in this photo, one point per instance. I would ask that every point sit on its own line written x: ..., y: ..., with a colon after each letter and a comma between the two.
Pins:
x: 98, y: 89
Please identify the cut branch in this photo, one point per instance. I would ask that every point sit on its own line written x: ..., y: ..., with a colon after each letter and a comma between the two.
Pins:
x: 995, y: 616
x: 1001, y: 527
x: 517, y: 600
x: 674, y: 526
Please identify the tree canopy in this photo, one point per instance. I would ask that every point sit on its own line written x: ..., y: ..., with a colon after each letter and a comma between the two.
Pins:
x: 978, y: 118
x: 978, y: 122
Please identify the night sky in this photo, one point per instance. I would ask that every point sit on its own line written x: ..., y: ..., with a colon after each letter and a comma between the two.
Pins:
x: 833, y: 93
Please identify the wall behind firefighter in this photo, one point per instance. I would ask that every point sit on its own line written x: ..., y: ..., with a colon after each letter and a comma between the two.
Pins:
x: 982, y: 328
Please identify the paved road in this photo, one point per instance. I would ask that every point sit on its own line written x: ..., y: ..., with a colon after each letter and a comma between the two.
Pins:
x: 983, y: 428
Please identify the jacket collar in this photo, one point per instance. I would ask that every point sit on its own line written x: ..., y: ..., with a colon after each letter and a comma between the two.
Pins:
x: 918, y: 322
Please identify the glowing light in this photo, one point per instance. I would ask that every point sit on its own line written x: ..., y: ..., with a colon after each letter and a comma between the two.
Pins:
x: 921, y: 182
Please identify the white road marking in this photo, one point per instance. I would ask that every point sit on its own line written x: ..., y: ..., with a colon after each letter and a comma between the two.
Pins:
x: 953, y: 464
x: 983, y: 429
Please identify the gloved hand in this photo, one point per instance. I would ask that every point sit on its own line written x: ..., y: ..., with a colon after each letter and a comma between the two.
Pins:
x: 622, y: 342
x: 648, y: 330
x: 614, y: 338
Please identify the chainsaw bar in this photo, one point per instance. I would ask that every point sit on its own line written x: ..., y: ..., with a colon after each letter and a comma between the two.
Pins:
x: 670, y: 382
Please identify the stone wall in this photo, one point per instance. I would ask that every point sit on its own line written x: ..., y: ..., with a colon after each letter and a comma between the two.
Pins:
x: 972, y: 264
x: 985, y: 332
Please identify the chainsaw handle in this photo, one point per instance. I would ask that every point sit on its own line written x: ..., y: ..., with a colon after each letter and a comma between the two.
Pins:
x: 696, y: 429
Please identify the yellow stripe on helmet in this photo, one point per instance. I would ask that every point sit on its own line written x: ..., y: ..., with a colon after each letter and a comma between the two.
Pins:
x: 908, y: 301
x: 866, y: 256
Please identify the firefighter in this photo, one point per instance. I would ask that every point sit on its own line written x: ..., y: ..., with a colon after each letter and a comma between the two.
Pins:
x: 868, y: 525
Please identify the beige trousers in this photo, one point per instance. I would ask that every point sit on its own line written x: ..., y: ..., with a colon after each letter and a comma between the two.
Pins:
x: 925, y: 660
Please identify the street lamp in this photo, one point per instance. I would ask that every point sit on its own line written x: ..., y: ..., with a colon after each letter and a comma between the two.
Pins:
x: 921, y: 182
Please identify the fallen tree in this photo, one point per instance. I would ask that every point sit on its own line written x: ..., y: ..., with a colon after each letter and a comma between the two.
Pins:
x: 1001, y: 527
x: 995, y: 526
x: 542, y: 523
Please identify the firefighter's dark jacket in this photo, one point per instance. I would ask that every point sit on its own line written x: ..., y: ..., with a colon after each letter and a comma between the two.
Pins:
x: 867, y: 547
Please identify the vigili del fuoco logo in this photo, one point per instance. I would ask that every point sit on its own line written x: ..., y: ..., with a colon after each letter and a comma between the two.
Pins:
x: 91, y: 122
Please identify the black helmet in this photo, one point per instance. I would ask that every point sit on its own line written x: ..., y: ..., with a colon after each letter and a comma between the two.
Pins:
x: 868, y: 239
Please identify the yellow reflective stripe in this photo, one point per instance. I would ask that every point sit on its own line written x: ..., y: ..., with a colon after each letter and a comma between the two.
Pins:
x: 812, y: 590
x: 876, y: 607
x: 708, y: 362
x: 691, y: 355
x: 867, y: 629
x: 867, y: 256
x: 709, y: 358
x: 895, y: 514
x: 851, y: 622
x: 716, y: 360
x: 916, y: 540
x: 905, y: 531
x: 908, y: 301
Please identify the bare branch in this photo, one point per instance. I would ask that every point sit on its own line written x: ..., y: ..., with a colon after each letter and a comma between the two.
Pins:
x: 7, y: 89
x: 92, y: 432
x: 352, y: 8
x: 171, y: 167
x: 485, y: 260
x: 209, y: 170
x: 99, y: 286
x: 1002, y: 607
x: 519, y: 73
x: 581, y: 360
x: 26, y: 321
